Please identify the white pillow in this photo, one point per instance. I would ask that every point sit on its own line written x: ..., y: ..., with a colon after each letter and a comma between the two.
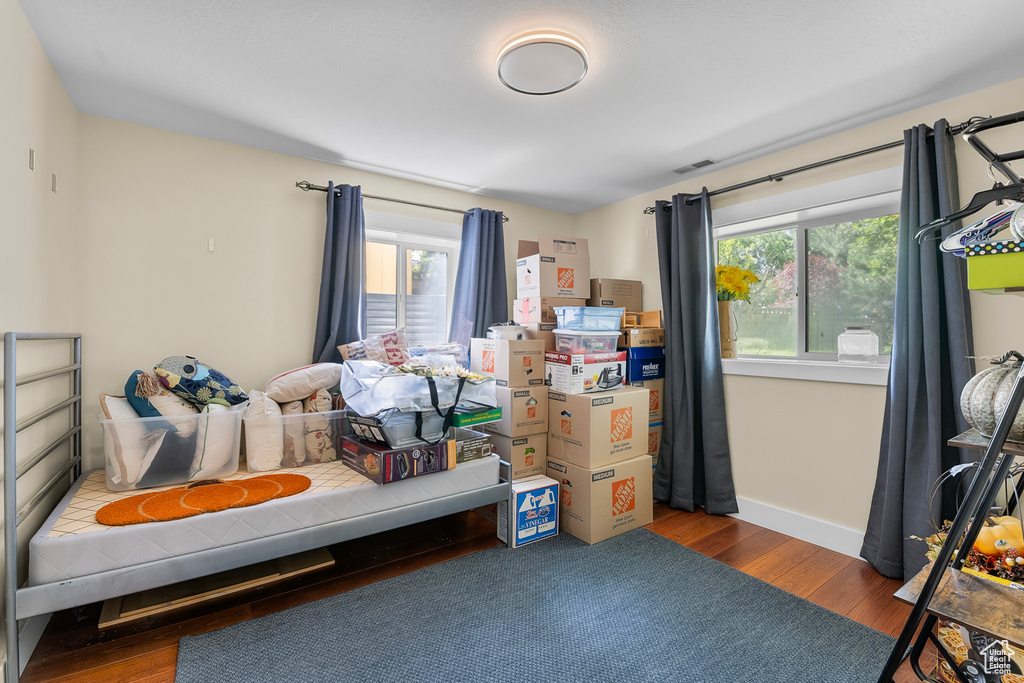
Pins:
x: 301, y: 383
x: 172, y: 406
x: 216, y: 448
x: 264, y: 433
x: 319, y: 444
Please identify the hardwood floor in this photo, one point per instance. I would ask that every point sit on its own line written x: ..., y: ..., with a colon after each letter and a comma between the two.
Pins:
x: 74, y: 649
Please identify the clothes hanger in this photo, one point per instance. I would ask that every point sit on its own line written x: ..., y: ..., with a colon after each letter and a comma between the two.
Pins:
x: 983, y: 230
x: 999, y: 193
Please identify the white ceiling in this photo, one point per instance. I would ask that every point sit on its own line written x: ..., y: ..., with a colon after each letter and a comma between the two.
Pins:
x: 408, y: 88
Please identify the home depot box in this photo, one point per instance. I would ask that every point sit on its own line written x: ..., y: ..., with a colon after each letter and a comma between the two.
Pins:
x: 530, y: 513
x: 580, y: 373
x: 657, y: 389
x: 654, y: 439
x: 645, y: 363
x: 524, y: 411
x: 540, y: 309
x: 553, y: 266
x: 642, y: 336
x: 599, y: 503
x: 544, y: 332
x: 512, y: 363
x: 595, y: 430
x: 526, y: 454
x: 615, y: 293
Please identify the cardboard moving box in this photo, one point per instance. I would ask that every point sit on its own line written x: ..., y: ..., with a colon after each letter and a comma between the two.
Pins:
x: 553, y: 266
x: 512, y: 363
x: 544, y: 332
x: 606, y: 292
x: 526, y: 454
x: 531, y: 512
x: 595, y: 430
x: 540, y: 309
x: 654, y: 440
x: 642, y: 336
x: 524, y: 411
x: 596, y: 504
x: 656, y: 405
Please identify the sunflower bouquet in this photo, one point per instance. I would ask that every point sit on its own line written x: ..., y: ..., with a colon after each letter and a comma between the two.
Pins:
x: 733, y: 283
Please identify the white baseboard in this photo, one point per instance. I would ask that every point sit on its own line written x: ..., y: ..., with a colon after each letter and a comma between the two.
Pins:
x: 835, y: 537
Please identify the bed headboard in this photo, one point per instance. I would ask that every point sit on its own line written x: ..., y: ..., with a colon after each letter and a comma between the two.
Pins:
x: 62, y: 464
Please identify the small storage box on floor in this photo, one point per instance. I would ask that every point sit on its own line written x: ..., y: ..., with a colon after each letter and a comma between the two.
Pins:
x: 159, y: 451
x: 597, y: 430
x: 585, y: 373
x: 531, y: 513
x: 596, y: 504
x: 510, y: 363
x: 589, y: 318
x: 386, y: 466
x: 525, y: 454
x: 553, y: 266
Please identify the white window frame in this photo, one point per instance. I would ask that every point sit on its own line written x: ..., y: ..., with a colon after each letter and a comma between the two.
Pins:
x: 417, y: 234
x: 855, y: 198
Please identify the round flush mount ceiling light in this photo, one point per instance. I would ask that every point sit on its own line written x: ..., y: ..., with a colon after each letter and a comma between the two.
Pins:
x: 542, y: 62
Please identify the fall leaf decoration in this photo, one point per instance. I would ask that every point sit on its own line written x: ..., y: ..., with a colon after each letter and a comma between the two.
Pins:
x: 199, y: 497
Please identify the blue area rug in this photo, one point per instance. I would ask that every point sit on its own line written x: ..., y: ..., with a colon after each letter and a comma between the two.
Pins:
x: 636, y: 607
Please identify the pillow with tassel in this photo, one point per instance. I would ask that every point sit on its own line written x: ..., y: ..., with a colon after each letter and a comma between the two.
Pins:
x: 197, y: 382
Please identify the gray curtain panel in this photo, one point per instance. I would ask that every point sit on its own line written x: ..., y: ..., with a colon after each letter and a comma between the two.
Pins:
x: 932, y: 359
x: 480, y: 292
x: 341, y: 314
x: 695, y: 467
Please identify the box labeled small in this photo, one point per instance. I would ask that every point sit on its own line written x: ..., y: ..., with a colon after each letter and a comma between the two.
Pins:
x: 512, y: 363
x: 615, y: 293
x: 526, y: 454
x: 553, y: 266
x: 524, y: 411
x: 531, y: 512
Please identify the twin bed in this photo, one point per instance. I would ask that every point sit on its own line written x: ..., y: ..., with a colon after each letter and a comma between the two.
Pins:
x: 73, y: 560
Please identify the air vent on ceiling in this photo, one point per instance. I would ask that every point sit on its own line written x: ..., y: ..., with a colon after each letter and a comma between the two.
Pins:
x: 695, y: 165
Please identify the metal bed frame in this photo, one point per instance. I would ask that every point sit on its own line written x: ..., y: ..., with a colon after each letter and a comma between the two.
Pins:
x: 31, y: 601
x: 13, y: 514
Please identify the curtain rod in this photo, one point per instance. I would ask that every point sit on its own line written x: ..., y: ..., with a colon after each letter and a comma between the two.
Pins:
x: 777, y: 177
x: 306, y: 186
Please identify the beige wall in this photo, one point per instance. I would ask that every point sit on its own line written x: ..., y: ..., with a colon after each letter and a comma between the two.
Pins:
x: 811, y: 447
x: 148, y: 202
x: 36, y: 230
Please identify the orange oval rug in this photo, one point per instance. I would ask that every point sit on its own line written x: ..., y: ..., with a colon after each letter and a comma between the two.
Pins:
x: 200, y: 497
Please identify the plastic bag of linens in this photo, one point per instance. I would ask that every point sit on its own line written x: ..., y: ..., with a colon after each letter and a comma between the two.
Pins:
x: 424, y: 383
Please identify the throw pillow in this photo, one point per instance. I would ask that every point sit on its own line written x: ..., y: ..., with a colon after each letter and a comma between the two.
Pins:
x: 264, y: 433
x: 197, y: 382
x: 301, y: 383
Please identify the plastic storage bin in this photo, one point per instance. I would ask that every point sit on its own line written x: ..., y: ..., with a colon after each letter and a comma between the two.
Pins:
x: 578, y: 341
x: 161, y: 451
x: 589, y: 318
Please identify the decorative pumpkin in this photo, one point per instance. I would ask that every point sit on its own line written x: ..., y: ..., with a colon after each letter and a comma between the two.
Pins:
x: 984, y: 397
x: 1005, y: 532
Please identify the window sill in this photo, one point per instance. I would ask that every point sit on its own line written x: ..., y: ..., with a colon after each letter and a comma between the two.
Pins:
x: 815, y: 371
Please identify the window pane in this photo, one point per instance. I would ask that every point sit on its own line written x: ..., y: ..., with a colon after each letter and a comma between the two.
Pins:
x: 426, y: 303
x: 851, y: 280
x: 766, y: 325
x: 381, y: 287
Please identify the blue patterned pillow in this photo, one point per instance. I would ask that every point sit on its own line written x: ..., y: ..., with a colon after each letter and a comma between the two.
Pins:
x: 198, y: 383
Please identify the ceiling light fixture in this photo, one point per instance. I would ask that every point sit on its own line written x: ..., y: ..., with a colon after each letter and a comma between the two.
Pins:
x: 542, y: 62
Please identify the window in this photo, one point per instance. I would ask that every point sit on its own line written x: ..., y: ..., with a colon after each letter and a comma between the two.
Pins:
x: 409, y: 283
x: 817, y: 276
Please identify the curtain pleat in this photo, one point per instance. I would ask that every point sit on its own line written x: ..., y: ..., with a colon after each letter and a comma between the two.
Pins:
x: 480, y: 291
x: 695, y: 467
x: 932, y: 360
x: 341, y: 311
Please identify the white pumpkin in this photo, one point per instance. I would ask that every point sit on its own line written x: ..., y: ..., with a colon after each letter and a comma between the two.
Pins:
x: 984, y: 398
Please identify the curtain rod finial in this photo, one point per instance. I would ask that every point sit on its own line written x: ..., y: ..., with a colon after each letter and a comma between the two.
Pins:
x: 303, y: 185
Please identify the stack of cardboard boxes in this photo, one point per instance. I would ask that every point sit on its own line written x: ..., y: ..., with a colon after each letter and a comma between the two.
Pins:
x: 643, y: 337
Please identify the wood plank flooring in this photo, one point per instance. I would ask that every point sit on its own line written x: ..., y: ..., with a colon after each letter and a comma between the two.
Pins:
x: 73, y: 649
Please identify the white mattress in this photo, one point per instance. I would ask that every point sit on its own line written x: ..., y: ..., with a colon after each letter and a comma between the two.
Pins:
x: 72, y: 544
